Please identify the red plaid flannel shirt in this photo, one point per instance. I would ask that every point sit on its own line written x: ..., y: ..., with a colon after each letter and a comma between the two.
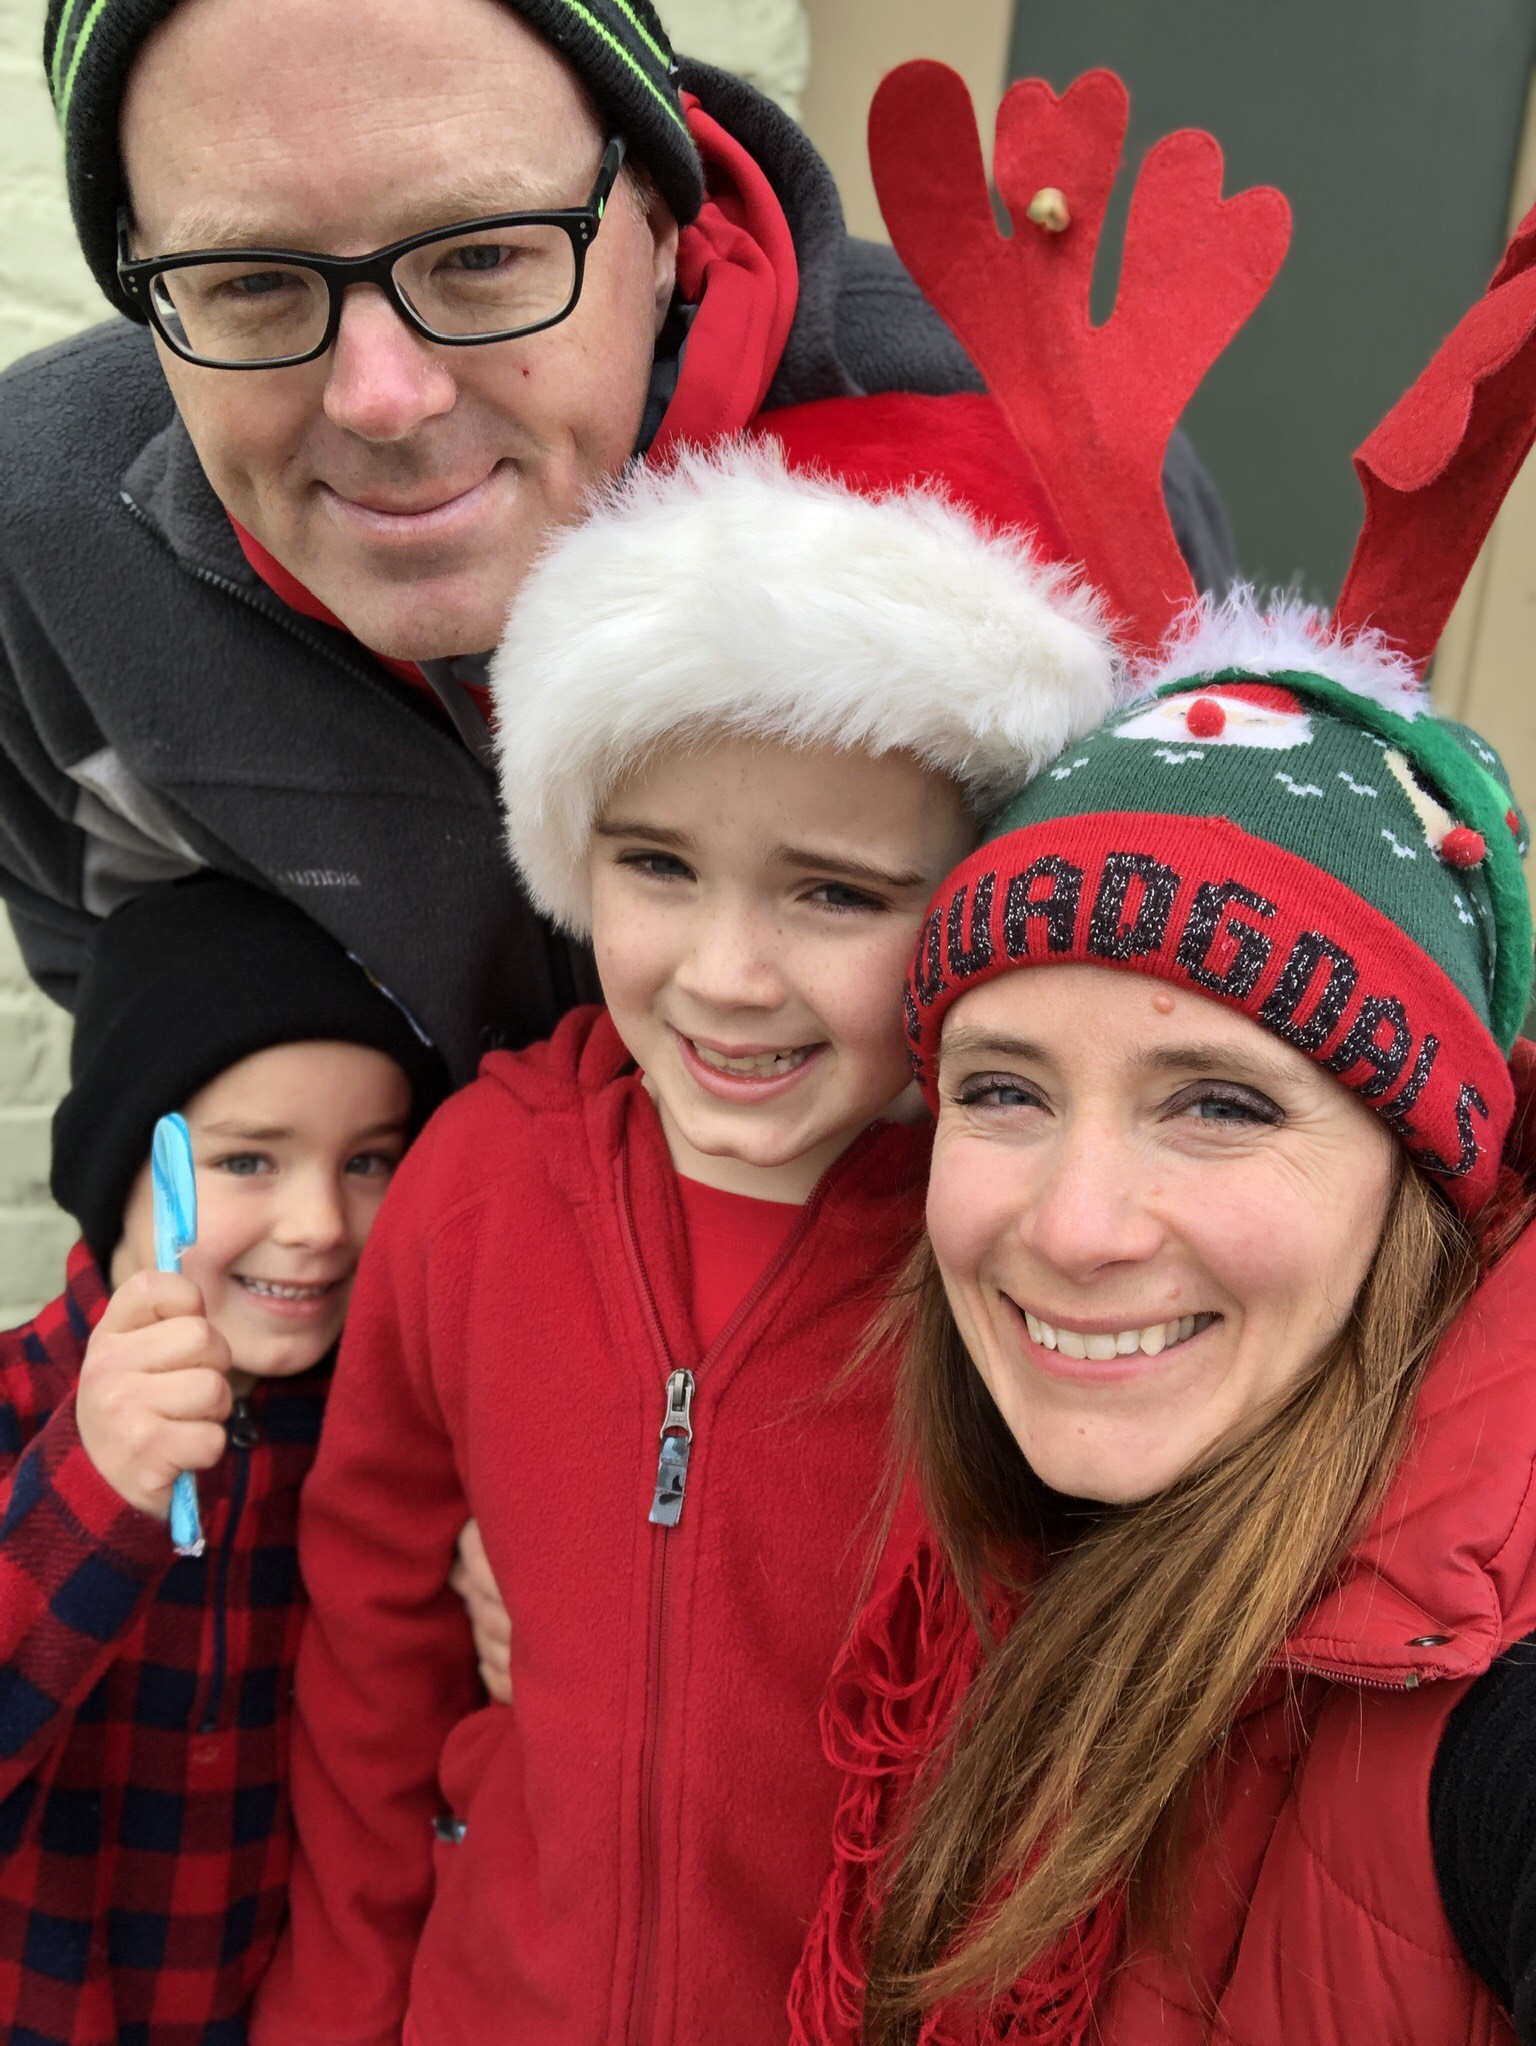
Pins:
x: 144, y: 1705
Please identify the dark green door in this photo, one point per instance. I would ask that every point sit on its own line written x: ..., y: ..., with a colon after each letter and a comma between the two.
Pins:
x: 1393, y: 127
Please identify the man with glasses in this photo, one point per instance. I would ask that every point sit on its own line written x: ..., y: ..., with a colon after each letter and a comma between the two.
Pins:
x: 403, y: 285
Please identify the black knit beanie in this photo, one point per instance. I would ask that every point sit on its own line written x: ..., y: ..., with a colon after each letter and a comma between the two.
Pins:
x: 181, y: 984
x: 618, y: 49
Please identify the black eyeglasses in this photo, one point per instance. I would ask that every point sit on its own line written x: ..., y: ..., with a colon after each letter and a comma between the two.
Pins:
x: 477, y: 281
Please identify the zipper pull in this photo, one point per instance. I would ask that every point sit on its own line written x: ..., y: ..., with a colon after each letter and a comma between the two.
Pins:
x: 241, y: 1425
x: 676, y: 1442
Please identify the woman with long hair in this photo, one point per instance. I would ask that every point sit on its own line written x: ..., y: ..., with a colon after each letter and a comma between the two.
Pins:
x: 1194, y: 1706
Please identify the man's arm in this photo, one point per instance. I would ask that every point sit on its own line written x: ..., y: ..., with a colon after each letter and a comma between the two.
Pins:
x: 42, y: 851
x: 53, y: 942
x: 386, y: 1662
x: 79, y: 832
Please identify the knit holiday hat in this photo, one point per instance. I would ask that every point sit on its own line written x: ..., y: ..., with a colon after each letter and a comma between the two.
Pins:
x: 182, y: 983
x: 1283, y: 823
x: 1284, y: 826
x: 819, y: 583
x: 617, y: 48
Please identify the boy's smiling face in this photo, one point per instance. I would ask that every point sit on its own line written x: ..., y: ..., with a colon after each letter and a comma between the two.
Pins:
x: 754, y: 907
x: 294, y: 1148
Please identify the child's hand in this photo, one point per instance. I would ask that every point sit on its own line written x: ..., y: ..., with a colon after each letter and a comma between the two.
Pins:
x: 471, y: 1578
x: 154, y: 1391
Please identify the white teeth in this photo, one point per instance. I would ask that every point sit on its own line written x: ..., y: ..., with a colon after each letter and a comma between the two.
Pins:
x: 271, y: 1289
x: 1099, y: 1349
x: 762, y: 1065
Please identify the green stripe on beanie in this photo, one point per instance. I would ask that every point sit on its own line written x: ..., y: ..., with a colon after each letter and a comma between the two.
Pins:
x: 1346, y: 874
x: 618, y: 49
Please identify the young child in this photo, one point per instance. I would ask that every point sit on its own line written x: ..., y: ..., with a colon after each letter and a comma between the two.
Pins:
x: 144, y: 1699
x: 745, y: 718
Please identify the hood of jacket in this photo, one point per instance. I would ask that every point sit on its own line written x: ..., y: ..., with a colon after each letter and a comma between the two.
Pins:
x: 1440, y: 1582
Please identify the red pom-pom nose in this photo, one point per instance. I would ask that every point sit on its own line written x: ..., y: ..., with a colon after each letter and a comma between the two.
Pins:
x: 1462, y: 847
x: 1205, y: 718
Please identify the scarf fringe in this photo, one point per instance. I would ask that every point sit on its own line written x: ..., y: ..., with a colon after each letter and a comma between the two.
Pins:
x: 897, y: 1686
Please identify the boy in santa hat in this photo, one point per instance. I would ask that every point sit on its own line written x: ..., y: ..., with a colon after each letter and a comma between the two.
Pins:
x: 747, y: 716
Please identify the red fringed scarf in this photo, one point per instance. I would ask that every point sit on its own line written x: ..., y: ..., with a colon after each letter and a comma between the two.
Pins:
x: 894, y: 1693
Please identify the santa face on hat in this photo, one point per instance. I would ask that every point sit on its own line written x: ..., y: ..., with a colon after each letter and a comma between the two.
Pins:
x: 1256, y: 715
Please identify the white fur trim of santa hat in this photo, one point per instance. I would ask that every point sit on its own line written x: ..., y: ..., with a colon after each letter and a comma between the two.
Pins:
x: 727, y: 596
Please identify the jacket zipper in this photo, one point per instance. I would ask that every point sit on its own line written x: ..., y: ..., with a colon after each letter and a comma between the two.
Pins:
x: 676, y: 1446
x: 243, y: 1435
x: 1410, y: 1682
x: 679, y: 1398
x: 665, y: 1513
x: 294, y: 625
x: 561, y: 968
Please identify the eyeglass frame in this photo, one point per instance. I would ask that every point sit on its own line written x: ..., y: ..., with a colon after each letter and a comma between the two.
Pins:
x: 136, y: 275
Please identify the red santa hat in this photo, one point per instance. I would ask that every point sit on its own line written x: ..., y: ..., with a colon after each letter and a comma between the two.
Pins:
x: 879, y: 574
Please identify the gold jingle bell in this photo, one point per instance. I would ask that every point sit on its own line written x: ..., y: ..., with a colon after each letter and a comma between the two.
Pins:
x: 1049, y: 209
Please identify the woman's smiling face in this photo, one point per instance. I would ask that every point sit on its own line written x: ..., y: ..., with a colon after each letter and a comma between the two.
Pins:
x: 1151, y: 1216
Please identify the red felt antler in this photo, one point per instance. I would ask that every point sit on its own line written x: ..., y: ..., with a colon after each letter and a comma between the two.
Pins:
x: 1437, y: 468
x: 1094, y: 406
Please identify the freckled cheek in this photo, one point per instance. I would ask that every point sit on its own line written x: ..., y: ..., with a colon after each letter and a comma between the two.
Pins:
x: 636, y: 950
x: 856, y: 995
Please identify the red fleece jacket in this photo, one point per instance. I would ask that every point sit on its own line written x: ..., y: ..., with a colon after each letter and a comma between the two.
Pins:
x: 647, y: 1827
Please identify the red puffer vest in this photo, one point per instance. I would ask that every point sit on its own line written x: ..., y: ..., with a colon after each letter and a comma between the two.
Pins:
x: 1314, y: 1917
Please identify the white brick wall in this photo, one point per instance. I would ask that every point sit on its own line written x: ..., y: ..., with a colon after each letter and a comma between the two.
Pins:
x: 45, y: 293
x: 768, y: 41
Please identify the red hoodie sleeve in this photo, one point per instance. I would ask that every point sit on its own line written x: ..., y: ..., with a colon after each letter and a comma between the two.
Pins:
x: 386, y: 1664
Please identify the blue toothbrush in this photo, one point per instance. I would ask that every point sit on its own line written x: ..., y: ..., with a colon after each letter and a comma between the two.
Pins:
x: 175, y: 1187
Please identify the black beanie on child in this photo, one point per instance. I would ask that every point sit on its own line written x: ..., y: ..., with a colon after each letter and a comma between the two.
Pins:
x: 182, y: 983
x: 617, y: 48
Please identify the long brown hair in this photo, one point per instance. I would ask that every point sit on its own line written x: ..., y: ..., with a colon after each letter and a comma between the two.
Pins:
x: 1071, y: 1767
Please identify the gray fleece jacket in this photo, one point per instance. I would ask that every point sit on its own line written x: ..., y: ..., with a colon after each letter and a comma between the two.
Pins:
x: 161, y: 709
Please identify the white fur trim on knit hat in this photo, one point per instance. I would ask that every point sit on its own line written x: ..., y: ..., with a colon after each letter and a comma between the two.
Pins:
x: 728, y: 596
x: 1278, y: 634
